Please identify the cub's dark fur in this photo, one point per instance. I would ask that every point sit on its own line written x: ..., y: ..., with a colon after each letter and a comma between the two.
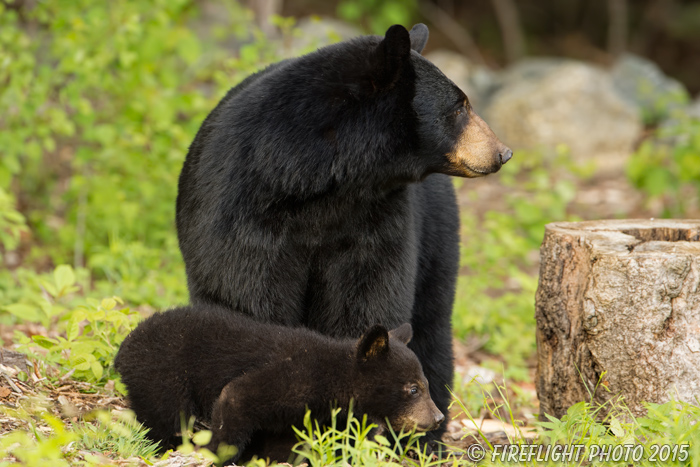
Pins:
x: 244, y: 377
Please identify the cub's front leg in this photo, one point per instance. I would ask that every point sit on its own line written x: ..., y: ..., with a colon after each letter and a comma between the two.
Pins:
x: 233, y: 420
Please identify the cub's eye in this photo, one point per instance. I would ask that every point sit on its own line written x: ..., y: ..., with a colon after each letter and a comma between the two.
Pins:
x: 460, y: 111
x: 413, y: 390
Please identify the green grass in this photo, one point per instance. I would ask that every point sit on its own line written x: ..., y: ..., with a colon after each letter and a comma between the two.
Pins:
x: 116, y: 433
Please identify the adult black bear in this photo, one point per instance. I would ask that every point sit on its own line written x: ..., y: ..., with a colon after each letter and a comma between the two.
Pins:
x: 244, y: 376
x: 316, y: 193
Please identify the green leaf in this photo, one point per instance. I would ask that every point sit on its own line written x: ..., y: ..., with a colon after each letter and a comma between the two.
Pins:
x: 25, y: 312
x: 45, y: 342
x: 72, y: 329
x: 381, y: 440
x: 108, y: 303
x: 616, y: 428
x: 202, y: 438
x: 97, y: 370
x: 79, y: 314
x: 50, y: 288
x: 64, y: 277
x: 115, y: 316
x: 82, y: 362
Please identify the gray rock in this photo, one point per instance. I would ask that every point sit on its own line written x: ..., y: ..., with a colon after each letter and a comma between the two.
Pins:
x: 531, y: 69
x: 693, y: 110
x: 477, y: 82
x: 312, y: 33
x: 641, y: 83
x: 547, y: 103
x: 674, y: 130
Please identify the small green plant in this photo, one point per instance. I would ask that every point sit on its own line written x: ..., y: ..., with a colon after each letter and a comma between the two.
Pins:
x: 196, y: 442
x: 91, y: 331
x: 667, y: 167
x: 37, y: 448
x: 671, y: 424
x: 595, y: 427
x: 354, y: 444
x: 96, y: 438
x: 12, y: 222
x: 656, y: 106
x: 117, y: 433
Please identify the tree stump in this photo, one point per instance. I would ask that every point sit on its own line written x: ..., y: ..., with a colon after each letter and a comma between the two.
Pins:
x: 618, y: 308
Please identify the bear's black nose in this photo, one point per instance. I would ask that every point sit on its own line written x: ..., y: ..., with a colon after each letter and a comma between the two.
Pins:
x: 505, y: 155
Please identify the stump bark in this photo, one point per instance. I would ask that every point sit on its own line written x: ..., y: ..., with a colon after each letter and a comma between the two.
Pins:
x: 618, y: 312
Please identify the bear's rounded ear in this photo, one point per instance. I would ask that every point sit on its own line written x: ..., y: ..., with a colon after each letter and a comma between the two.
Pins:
x: 390, y: 55
x: 403, y: 333
x: 373, y: 343
x: 397, y: 42
x: 419, y: 37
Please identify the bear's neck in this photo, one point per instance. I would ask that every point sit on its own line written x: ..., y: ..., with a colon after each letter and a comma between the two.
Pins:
x: 334, y: 372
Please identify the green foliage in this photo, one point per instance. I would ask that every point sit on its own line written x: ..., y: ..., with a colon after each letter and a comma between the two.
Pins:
x: 90, y: 330
x: 12, y: 222
x: 377, y: 15
x: 195, y: 442
x: 673, y: 423
x: 354, y: 444
x: 115, y: 432
x: 44, y: 297
x: 661, y: 107
x: 34, y: 447
x: 49, y: 441
x: 100, y: 101
x: 496, y: 294
x: 667, y: 168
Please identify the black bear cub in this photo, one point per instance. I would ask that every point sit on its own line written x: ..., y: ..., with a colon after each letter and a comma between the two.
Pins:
x: 243, y: 377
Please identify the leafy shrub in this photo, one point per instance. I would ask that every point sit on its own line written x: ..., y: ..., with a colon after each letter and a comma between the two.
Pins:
x: 100, y: 101
x: 12, y: 222
x: 673, y: 424
x: 34, y: 448
x: 667, y: 167
x: 90, y: 330
x: 46, y: 440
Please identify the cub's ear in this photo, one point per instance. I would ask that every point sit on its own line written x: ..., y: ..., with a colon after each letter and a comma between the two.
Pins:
x: 390, y: 56
x: 373, y: 343
x: 403, y: 333
x: 419, y: 37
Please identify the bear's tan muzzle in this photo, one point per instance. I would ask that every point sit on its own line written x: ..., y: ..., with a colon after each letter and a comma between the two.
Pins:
x: 478, y: 151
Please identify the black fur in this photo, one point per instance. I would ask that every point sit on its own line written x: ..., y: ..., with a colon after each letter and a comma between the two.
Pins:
x: 313, y: 195
x: 244, y: 377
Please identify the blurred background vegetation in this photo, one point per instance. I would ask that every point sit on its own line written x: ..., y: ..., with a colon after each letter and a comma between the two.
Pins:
x: 100, y: 100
